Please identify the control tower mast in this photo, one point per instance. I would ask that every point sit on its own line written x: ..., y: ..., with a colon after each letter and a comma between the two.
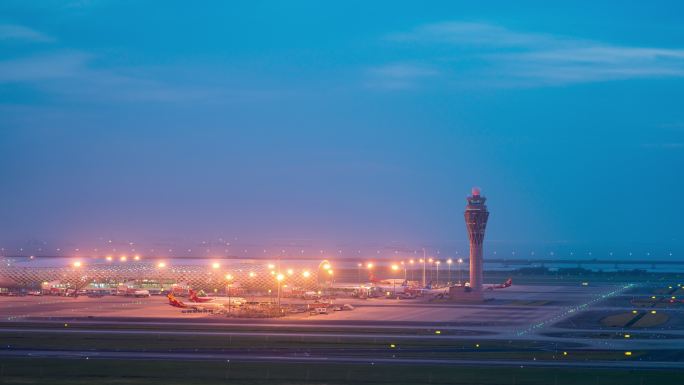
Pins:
x: 476, y: 216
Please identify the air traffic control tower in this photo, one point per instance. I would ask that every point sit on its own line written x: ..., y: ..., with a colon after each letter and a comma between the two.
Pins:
x: 476, y: 216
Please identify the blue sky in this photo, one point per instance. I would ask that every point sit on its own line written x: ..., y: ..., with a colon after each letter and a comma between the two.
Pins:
x: 343, y: 123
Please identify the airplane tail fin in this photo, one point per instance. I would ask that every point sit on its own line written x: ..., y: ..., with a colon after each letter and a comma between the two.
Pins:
x: 192, y: 295
x: 173, y: 301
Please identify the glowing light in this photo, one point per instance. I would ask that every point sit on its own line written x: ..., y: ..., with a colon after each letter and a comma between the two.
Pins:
x: 215, y: 265
x: 109, y: 258
x: 411, y: 261
x: 161, y: 265
x: 229, y: 277
x: 627, y: 336
x: 252, y: 274
x: 326, y: 266
x: 290, y: 271
x: 330, y: 272
x: 280, y: 277
x: 653, y: 311
x: 565, y: 353
x: 628, y: 353
x: 438, y: 332
x: 369, y: 265
x: 271, y: 266
x: 449, y: 261
x: 395, y: 267
x: 460, y: 260
x: 137, y: 257
x: 123, y: 258
x: 306, y: 274
x: 77, y: 264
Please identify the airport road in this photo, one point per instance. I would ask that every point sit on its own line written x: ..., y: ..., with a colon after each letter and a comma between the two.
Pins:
x: 303, y: 358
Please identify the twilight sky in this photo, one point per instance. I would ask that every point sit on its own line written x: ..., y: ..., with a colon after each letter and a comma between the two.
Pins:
x: 350, y: 123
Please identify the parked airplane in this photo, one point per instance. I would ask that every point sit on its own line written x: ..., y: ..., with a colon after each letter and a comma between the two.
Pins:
x: 234, y: 301
x: 175, y: 302
x: 507, y: 283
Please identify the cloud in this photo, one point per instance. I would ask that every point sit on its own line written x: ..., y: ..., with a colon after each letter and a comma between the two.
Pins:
x: 398, y: 75
x: 500, y: 56
x: 75, y: 76
x: 11, y: 32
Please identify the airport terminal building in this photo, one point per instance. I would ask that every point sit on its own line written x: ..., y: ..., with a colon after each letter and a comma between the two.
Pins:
x: 108, y: 273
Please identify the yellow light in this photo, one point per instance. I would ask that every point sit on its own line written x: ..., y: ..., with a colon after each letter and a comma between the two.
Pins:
x: 252, y: 274
x: 653, y: 297
x: 369, y: 265
x: 123, y: 258
x: 393, y: 346
x: 565, y: 353
x: 430, y: 260
x: 438, y: 332
x: 477, y: 345
x: 395, y: 267
x: 628, y: 353
x: 326, y: 266
x: 330, y: 272
x: 290, y: 271
x: 449, y: 261
x: 634, y: 312
x: 229, y: 277
x: 306, y: 274
x: 653, y: 311
x: 627, y: 336
x: 271, y: 266
x: 215, y: 265
x: 161, y: 265
x: 137, y: 257
x: 411, y: 261
x: 77, y: 264
x: 272, y: 272
x: 280, y: 277
x: 109, y: 258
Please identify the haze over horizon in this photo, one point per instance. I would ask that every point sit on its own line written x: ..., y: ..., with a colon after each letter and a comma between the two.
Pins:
x: 357, y: 124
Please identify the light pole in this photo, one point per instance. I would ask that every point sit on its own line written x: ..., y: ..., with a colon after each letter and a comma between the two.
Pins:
x: 279, y: 279
x: 358, y: 270
x: 229, y: 278
x: 412, y: 262
x: 431, y: 261
x: 369, y: 266
x: 437, y: 264
x: 394, y: 281
x: 460, y: 262
x: 449, y: 262
x: 423, y: 261
x: 160, y: 266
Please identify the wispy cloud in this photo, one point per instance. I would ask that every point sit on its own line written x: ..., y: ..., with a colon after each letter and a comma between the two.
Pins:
x: 12, y: 32
x: 73, y: 75
x: 398, y: 75
x: 498, y: 55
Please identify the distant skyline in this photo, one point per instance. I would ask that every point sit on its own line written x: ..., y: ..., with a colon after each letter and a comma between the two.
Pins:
x: 353, y: 123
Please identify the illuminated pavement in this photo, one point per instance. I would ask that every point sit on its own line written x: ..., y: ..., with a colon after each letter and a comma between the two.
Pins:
x: 518, y: 313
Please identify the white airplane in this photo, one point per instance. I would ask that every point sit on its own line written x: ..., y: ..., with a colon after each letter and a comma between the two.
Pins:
x: 175, y: 302
x: 234, y: 301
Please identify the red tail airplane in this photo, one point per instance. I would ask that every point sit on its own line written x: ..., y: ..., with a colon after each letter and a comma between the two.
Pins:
x: 507, y: 283
x: 173, y: 301
x: 195, y: 298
